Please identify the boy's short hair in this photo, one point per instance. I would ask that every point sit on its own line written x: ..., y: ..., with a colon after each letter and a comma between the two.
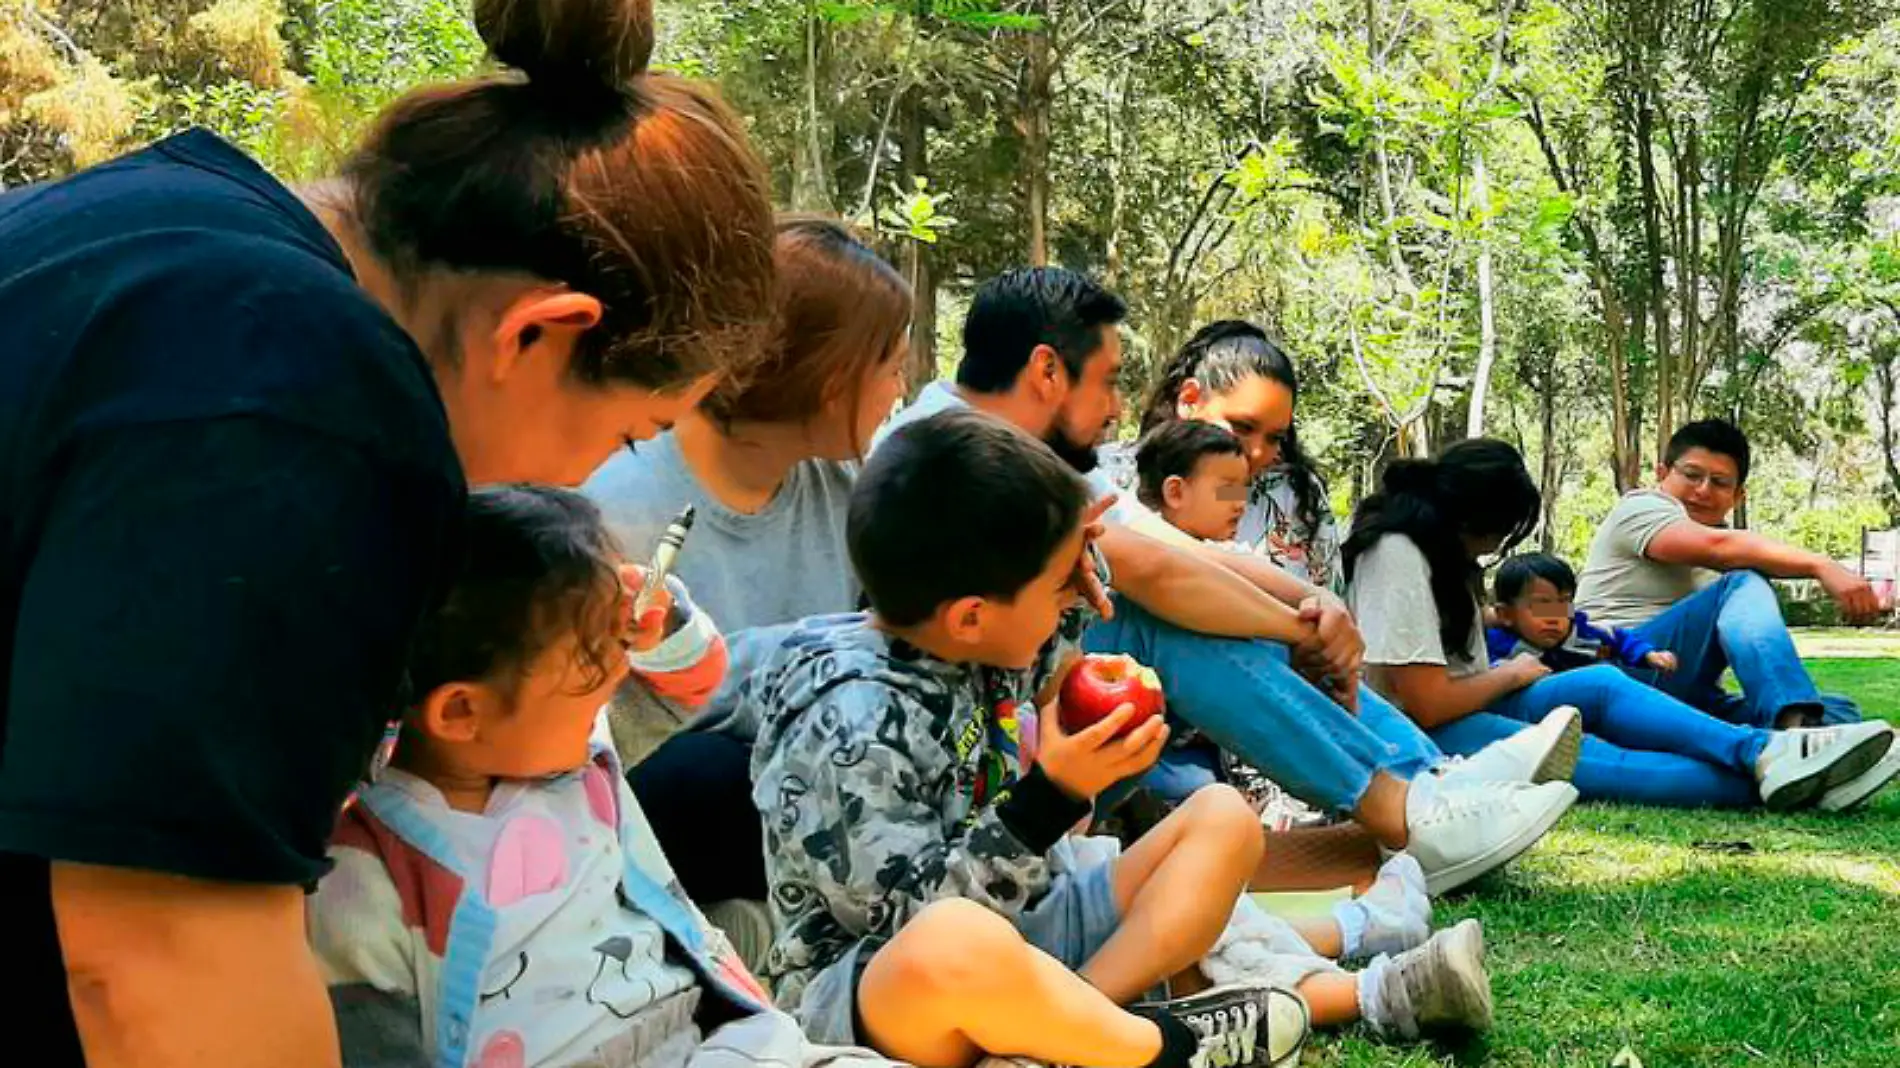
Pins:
x: 1718, y: 436
x: 1516, y: 573
x: 958, y: 504
x: 1173, y: 449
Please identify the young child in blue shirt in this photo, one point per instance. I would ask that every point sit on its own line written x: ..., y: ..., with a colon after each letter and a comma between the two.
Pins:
x: 1536, y: 614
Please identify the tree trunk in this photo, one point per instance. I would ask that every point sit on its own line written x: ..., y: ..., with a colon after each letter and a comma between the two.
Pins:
x: 1547, y: 468
x: 1487, y: 311
x: 1653, y: 255
x: 913, y: 162
x: 1886, y: 397
x: 811, y: 176
x: 1037, y: 102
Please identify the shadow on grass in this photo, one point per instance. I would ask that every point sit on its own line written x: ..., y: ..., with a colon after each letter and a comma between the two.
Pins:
x: 1723, y: 962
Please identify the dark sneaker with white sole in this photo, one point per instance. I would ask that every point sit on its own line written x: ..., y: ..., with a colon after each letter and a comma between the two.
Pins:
x: 1243, y: 1025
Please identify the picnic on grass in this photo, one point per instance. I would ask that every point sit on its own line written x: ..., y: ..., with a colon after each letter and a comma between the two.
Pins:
x: 498, y: 609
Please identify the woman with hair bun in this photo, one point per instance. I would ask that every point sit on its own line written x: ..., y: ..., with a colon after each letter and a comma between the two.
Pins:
x: 237, y: 423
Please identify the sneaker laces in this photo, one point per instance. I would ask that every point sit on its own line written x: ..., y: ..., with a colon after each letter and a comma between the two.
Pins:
x: 1228, y: 1035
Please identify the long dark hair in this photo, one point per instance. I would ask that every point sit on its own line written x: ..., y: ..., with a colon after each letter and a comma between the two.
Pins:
x: 1477, y: 487
x: 1222, y: 355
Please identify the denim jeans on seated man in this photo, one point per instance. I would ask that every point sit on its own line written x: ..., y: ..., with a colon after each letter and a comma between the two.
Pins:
x: 1247, y: 698
x: 1735, y: 623
x: 1708, y: 762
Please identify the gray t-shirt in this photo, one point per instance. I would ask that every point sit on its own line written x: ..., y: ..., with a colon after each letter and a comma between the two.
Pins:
x: 1391, y: 596
x: 756, y: 573
x: 1620, y: 585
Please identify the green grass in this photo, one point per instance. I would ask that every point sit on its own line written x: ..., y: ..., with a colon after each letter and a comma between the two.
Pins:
x: 1661, y: 932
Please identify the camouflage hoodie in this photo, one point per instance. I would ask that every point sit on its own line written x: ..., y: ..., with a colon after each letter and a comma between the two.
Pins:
x: 889, y: 779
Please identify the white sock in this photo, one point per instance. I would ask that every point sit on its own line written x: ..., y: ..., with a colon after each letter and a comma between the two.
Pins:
x: 1391, y: 917
x: 1380, y: 1007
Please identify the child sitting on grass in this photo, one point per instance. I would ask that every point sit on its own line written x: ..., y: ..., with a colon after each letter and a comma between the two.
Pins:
x: 929, y: 901
x: 1194, y: 475
x: 498, y: 900
x: 1536, y: 615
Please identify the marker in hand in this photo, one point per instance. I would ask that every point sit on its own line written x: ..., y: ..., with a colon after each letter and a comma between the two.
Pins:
x: 662, y: 563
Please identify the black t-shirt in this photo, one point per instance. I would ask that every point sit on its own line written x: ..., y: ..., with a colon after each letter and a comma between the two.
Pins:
x: 227, y: 495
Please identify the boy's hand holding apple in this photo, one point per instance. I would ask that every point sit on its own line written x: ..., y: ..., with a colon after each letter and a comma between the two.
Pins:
x: 1103, y: 727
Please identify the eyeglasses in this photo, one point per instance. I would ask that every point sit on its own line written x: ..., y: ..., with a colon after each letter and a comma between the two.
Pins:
x: 1698, y: 478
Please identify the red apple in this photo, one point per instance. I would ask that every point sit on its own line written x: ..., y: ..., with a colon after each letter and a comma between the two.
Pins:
x: 1098, y: 685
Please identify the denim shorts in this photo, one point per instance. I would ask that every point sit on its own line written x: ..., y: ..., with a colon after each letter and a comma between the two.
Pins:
x: 1071, y: 923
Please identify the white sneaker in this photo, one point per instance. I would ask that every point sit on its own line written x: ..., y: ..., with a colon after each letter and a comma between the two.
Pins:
x: 1441, y: 985
x: 1546, y: 752
x: 1801, y: 765
x: 1244, y: 1026
x: 1868, y: 783
x: 1458, y: 833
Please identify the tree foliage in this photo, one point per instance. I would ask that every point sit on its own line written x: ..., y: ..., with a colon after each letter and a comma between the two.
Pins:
x: 1571, y: 223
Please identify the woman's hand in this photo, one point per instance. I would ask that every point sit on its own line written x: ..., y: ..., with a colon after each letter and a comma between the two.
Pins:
x: 1335, y: 653
x: 1525, y: 669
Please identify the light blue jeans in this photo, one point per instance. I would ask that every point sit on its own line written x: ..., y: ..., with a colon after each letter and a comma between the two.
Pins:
x: 1736, y: 623
x: 1641, y: 746
x: 1246, y: 697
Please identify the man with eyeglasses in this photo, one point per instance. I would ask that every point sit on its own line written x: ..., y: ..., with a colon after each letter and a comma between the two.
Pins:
x: 1666, y: 564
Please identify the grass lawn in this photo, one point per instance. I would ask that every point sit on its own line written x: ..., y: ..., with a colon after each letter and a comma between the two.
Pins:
x: 1693, y: 938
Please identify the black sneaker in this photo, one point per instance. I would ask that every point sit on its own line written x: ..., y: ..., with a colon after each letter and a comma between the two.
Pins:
x: 1244, y: 1026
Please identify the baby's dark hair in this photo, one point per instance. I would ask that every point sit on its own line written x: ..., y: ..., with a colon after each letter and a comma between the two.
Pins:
x: 537, y: 564
x: 1516, y: 574
x: 958, y: 504
x: 1173, y: 449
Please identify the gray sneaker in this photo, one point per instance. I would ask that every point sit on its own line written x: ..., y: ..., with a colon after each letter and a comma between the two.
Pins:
x: 1244, y: 1025
x: 1439, y: 986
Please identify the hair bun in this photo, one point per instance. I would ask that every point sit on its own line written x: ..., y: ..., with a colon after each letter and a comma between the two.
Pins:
x: 578, y: 45
x: 1418, y: 477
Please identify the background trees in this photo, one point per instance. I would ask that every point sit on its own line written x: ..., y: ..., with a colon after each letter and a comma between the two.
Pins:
x: 1571, y: 224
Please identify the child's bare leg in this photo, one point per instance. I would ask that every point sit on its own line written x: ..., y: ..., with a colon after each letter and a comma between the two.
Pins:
x: 958, y: 982
x: 1321, y: 934
x: 1175, y: 889
x: 1332, y: 998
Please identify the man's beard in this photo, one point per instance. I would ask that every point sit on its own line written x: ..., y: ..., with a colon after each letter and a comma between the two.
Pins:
x: 1083, y: 458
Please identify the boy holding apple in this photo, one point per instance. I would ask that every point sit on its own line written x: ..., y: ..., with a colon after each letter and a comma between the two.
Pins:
x: 929, y: 899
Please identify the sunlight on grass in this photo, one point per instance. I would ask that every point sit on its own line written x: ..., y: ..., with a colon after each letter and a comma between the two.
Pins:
x: 1693, y: 938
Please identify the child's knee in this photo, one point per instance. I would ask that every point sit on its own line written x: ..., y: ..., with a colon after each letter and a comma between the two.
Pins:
x: 953, y: 947
x: 1221, y: 812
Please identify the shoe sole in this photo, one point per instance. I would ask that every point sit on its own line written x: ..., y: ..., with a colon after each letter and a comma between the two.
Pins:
x: 1848, y: 766
x: 1560, y: 762
x: 1856, y: 791
x: 1448, y: 879
x: 1469, y: 998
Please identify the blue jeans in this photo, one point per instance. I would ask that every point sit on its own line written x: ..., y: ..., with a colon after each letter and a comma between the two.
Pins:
x: 1640, y: 746
x: 1246, y: 697
x: 1736, y: 623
